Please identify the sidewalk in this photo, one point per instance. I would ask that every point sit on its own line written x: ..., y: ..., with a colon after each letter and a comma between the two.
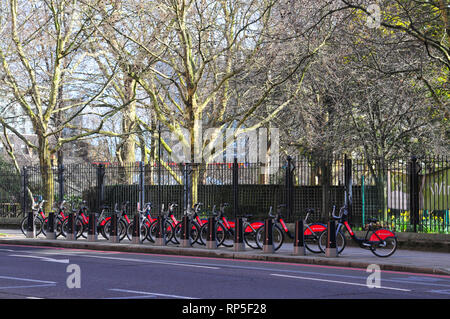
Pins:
x: 404, y: 260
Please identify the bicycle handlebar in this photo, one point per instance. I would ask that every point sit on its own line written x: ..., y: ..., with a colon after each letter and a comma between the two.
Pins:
x: 342, y: 211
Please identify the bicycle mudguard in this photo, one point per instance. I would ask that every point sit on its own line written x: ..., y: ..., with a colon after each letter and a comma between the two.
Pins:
x: 316, y: 228
x: 381, y: 234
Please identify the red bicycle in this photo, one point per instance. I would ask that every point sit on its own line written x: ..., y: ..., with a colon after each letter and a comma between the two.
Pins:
x: 146, y: 220
x: 38, y: 220
x: 122, y: 223
x: 380, y: 241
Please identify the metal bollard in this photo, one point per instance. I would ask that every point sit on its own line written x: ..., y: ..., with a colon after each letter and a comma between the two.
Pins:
x: 185, y: 232
x: 331, y: 250
x: 211, y: 237
x: 299, y: 239
x: 268, y: 238
x: 92, y: 227
x: 113, y: 236
x: 161, y: 232
x: 30, y: 225
x: 136, y: 239
x: 51, y: 226
x: 71, y: 232
x: 239, y: 235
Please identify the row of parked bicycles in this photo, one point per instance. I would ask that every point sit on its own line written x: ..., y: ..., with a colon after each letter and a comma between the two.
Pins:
x: 382, y: 242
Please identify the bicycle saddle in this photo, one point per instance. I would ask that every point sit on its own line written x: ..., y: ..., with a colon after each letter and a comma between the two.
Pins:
x: 372, y: 220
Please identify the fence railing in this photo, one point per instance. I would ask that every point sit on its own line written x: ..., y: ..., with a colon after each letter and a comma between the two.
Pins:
x: 407, y: 194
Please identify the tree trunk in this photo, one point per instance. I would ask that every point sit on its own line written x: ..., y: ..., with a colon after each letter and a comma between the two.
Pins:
x: 127, y: 156
x: 46, y: 174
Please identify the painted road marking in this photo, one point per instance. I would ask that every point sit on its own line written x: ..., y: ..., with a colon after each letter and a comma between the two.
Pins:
x: 151, y: 293
x: 337, y: 282
x: 62, y: 261
x: 27, y: 279
x: 39, y: 283
x: 151, y: 261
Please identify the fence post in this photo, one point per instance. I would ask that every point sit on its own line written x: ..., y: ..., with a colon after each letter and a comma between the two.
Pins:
x: 239, y: 235
x: 211, y: 238
x: 100, y: 186
x: 92, y: 227
x: 299, y: 239
x: 51, y: 226
x: 235, y: 188
x: 61, y: 182
x: 187, y: 191
x: 141, y: 185
x: 289, y: 187
x: 268, y: 236
x: 414, y: 191
x: 25, y: 190
x: 331, y: 250
x: 348, y: 187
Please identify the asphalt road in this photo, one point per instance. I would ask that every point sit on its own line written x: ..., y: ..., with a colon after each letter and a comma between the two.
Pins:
x: 42, y: 272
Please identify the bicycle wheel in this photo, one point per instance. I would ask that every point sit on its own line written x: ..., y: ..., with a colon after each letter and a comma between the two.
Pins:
x: 84, y: 229
x: 250, y: 238
x: 168, y: 231
x: 341, y: 242
x: 383, y: 242
x: 38, y: 225
x: 228, y: 235
x: 58, y: 227
x: 220, y: 234
x: 193, y: 234
x: 122, y: 229
x: 78, y: 227
x: 311, y: 237
x: 277, y: 237
x: 142, y: 230
x: 106, y: 229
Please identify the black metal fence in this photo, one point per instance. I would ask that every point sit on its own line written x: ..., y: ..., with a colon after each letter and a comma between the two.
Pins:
x: 406, y: 194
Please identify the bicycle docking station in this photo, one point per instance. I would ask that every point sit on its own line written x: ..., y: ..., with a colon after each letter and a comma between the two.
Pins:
x: 113, y: 236
x: 161, y: 232
x: 136, y: 238
x: 92, y: 227
x: 331, y: 249
x: 268, y: 239
x: 211, y: 237
x: 185, y: 231
x: 71, y: 233
x: 30, y: 225
x: 299, y: 239
x: 239, y: 235
x: 51, y: 226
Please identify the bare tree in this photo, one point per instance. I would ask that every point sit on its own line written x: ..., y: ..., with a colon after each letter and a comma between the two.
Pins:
x: 45, y: 74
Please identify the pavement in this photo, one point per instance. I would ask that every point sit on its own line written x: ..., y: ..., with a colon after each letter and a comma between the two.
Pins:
x: 403, y: 260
